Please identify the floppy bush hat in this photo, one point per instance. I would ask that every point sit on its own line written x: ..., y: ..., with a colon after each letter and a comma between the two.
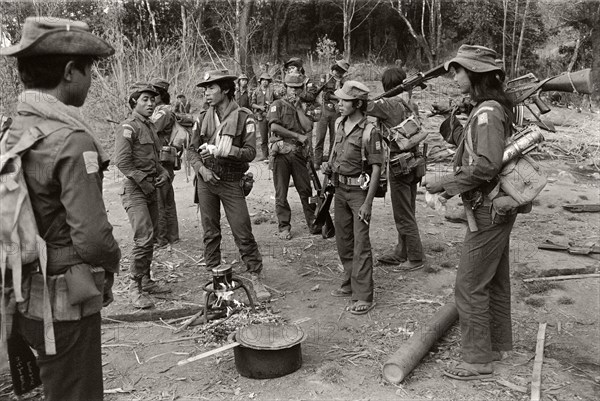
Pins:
x: 294, y: 80
x: 342, y: 64
x: 265, y: 76
x: 475, y: 58
x: 57, y: 36
x: 352, y: 90
x: 216, y: 75
x: 295, y: 61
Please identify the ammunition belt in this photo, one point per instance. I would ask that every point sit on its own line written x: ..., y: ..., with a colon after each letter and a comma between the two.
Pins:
x: 225, y: 170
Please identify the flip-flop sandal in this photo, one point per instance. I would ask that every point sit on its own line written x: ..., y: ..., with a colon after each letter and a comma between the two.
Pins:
x: 362, y: 311
x: 338, y: 292
x: 285, y: 235
x: 471, y: 374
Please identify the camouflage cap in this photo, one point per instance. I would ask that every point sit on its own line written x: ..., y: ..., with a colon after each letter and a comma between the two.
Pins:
x: 265, y: 76
x: 142, y: 87
x: 216, y: 75
x: 294, y: 80
x: 57, y: 36
x: 295, y: 61
x: 160, y: 83
x: 343, y: 64
x: 353, y: 90
x: 475, y: 58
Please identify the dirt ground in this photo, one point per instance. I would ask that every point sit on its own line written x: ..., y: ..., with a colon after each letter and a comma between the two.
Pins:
x: 343, y: 354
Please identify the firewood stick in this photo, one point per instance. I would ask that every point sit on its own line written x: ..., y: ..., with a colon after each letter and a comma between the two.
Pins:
x: 558, y: 278
x: 536, y: 377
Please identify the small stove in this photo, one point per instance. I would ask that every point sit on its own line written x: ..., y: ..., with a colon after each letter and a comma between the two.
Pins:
x: 221, y: 290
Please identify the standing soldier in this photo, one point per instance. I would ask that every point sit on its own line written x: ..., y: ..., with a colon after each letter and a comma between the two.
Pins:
x: 289, y: 148
x: 164, y: 119
x: 329, y: 114
x: 308, y: 94
x: 223, y: 143
x: 242, y: 97
x: 54, y: 59
x: 262, y: 98
x: 353, y: 159
x: 390, y: 112
x: 136, y: 153
x: 182, y: 105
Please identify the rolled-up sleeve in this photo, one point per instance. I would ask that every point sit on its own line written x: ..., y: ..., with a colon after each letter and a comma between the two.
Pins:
x: 78, y: 172
x: 374, y: 148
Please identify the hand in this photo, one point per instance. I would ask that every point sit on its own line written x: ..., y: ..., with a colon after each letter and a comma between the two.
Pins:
x: 364, y: 213
x: 162, y: 179
x: 209, y: 176
x: 326, y: 168
x: 435, y: 186
x: 207, y: 149
x: 107, y: 296
x: 147, y: 187
x: 302, y: 139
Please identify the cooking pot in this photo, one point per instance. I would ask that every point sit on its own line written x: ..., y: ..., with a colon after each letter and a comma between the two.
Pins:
x: 267, y: 351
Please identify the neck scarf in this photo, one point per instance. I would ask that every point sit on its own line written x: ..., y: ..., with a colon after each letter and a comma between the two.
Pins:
x: 221, y: 130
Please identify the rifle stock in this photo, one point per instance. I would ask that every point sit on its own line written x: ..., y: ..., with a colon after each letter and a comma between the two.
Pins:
x: 323, y: 203
x: 413, y: 81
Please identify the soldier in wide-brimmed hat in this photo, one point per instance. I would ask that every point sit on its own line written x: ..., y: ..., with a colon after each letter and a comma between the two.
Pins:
x: 222, y: 145
x: 262, y: 98
x: 482, y: 290
x: 54, y: 58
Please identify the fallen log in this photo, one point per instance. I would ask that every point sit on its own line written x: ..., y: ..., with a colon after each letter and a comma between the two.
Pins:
x: 150, y: 315
x: 403, y: 361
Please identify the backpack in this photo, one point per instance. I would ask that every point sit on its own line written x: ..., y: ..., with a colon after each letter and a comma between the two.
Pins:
x: 20, y: 242
x: 385, y: 151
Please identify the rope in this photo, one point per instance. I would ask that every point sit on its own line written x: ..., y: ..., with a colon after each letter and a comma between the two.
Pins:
x: 572, y: 84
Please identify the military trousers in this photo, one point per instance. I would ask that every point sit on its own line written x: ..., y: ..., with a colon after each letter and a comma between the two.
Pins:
x: 325, y: 123
x: 353, y: 242
x: 263, y: 131
x: 403, y: 191
x: 293, y: 165
x: 482, y: 290
x: 142, y: 211
x: 231, y: 196
x: 168, y: 226
x: 75, y: 372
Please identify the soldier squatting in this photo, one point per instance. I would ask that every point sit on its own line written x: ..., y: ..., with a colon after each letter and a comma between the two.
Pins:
x: 71, y: 216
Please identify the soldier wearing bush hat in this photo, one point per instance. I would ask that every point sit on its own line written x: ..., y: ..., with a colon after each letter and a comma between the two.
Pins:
x: 222, y: 145
x: 356, y: 171
x: 482, y: 289
x: 164, y: 120
x: 55, y: 58
x: 261, y: 99
x: 289, y: 149
x: 242, y: 96
x: 329, y: 113
x: 309, y: 90
x: 137, y: 148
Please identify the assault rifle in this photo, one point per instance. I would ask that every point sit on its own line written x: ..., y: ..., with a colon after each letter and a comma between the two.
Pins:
x: 413, y: 81
x: 526, y: 89
x: 323, y: 202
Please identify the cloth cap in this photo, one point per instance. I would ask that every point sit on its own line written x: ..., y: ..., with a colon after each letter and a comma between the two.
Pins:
x: 160, y: 83
x: 343, y: 64
x: 142, y: 87
x: 295, y: 61
x: 352, y: 90
x: 294, y: 80
x: 216, y: 75
x: 57, y: 36
x: 475, y: 58
x: 243, y: 76
x: 265, y: 76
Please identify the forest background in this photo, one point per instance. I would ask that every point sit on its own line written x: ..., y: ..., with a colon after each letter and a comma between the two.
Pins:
x: 180, y: 39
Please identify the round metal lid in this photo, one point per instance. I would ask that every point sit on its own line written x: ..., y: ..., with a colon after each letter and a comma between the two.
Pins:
x: 222, y: 270
x: 270, y: 336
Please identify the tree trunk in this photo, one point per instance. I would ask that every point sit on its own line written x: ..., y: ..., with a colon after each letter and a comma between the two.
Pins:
x: 512, y: 40
x: 280, y: 17
x: 575, y: 53
x: 596, y: 60
x: 152, y: 22
x: 243, y: 35
x: 348, y: 15
x: 421, y: 41
x: 438, y: 43
x: 520, y: 48
x: 504, y: 33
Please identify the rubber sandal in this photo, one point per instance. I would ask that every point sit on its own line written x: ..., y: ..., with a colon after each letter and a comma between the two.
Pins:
x: 338, y: 292
x: 471, y: 374
x: 285, y: 235
x: 364, y: 311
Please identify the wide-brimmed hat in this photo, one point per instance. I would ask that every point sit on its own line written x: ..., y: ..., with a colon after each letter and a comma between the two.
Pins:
x: 295, y: 61
x: 293, y: 80
x: 265, y: 76
x: 160, y: 83
x: 352, y: 90
x: 243, y: 76
x: 216, y: 75
x: 57, y: 36
x: 142, y: 87
x: 343, y: 64
x: 475, y: 58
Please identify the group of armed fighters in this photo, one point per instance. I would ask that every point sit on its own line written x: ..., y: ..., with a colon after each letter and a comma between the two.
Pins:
x: 63, y: 166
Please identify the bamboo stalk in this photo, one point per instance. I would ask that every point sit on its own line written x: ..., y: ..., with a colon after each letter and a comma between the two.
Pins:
x: 536, y: 377
x: 558, y: 278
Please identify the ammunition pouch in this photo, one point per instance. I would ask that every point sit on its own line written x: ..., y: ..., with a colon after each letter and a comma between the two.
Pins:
x: 73, y: 295
x: 405, y: 163
x: 247, y: 183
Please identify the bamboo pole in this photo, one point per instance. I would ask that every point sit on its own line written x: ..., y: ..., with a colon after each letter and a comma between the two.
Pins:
x: 536, y: 377
x: 558, y: 278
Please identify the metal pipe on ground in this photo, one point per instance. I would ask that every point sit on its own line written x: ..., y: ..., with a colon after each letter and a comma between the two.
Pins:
x: 403, y: 361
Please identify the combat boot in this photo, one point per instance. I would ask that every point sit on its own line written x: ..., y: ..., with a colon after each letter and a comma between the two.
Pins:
x: 153, y: 287
x: 138, y: 299
x: 262, y: 294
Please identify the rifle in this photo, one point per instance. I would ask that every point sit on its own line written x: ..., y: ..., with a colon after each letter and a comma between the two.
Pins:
x: 323, y: 202
x: 528, y: 88
x: 413, y: 81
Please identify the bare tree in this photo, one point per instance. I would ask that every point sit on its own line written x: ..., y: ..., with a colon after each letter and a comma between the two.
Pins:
x: 520, y: 48
x: 420, y: 38
x: 350, y: 11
